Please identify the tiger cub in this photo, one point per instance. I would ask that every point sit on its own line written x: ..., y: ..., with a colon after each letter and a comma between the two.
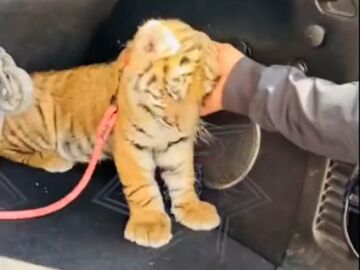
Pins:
x: 171, y: 68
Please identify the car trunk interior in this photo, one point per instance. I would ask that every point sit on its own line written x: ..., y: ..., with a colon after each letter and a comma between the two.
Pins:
x: 273, y: 219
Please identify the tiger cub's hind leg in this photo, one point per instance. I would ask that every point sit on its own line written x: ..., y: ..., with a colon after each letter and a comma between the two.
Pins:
x: 46, y: 160
x: 51, y: 162
x: 148, y: 223
x: 178, y: 173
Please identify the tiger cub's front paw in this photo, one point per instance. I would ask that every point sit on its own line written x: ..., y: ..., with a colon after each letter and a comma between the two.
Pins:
x: 149, y: 229
x: 197, y: 215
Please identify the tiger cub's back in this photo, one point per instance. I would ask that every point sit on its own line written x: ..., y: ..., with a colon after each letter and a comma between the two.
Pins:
x: 67, y: 108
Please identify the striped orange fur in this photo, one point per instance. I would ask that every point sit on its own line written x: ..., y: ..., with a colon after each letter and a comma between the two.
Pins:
x: 172, y: 68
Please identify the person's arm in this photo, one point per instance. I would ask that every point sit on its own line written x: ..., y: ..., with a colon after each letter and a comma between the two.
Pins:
x: 315, y: 114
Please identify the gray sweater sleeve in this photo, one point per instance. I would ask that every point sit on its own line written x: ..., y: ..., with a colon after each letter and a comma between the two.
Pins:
x: 315, y: 114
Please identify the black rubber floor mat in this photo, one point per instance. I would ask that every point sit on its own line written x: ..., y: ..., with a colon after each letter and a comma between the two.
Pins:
x: 89, y: 234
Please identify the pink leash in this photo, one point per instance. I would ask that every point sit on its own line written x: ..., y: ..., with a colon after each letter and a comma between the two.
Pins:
x: 102, y: 134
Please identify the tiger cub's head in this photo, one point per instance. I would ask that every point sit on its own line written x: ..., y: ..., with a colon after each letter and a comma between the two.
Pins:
x: 170, y: 64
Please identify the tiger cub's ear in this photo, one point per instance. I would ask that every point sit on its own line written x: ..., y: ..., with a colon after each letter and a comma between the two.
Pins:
x: 154, y: 41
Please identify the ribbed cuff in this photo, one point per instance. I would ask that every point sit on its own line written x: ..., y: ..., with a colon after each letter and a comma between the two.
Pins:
x: 241, y: 86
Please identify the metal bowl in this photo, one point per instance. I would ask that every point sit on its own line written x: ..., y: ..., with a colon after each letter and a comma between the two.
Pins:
x: 231, y: 153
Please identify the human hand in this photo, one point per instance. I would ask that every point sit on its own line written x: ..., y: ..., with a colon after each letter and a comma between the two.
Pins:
x: 228, y: 57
